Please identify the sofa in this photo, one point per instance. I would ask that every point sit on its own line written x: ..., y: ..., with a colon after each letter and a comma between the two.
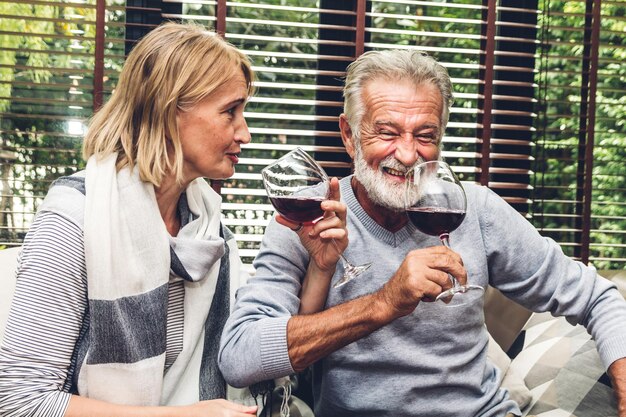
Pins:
x: 8, y: 264
x: 550, y: 367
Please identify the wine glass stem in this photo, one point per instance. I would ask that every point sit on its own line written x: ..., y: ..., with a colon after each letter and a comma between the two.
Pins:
x: 345, y: 262
x: 445, y: 241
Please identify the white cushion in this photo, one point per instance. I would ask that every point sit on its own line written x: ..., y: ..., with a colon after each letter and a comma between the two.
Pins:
x: 8, y: 265
x: 509, y: 377
x: 504, y: 320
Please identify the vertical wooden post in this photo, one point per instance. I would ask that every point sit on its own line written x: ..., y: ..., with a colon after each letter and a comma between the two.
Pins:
x: 490, y: 47
x: 98, y: 71
x: 220, y: 28
x: 591, y: 121
x: 359, y: 39
x: 220, y: 15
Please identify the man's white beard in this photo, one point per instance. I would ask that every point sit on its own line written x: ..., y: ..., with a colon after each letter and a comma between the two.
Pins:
x: 381, y: 191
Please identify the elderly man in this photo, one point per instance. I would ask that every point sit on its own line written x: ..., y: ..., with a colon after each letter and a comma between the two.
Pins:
x: 381, y: 347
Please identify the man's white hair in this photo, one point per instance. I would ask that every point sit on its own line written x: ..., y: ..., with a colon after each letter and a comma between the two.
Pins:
x: 395, y: 65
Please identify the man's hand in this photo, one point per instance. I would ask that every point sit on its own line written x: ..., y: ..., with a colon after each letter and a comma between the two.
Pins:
x: 422, y: 276
x: 617, y: 372
x: 328, y: 237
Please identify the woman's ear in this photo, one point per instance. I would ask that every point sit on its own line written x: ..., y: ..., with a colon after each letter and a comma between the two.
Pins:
x: 346, y: 135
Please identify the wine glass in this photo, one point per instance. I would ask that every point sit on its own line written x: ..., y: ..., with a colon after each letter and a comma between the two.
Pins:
x: 296, y: 185
x: 435, y: 203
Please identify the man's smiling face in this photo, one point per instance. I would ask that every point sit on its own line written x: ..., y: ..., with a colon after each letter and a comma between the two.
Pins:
x: 401, y: 126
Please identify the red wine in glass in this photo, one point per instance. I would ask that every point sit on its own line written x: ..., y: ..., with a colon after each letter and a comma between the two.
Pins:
x: 296, y: 186
x: 436, y: 204
x: 299, y: 209
x: 435, y: 221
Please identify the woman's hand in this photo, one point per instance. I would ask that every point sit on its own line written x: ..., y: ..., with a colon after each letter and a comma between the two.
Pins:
x: 325, y: 241
x: 219, y: 408
x: 82, y: 406
x: 318, y: 238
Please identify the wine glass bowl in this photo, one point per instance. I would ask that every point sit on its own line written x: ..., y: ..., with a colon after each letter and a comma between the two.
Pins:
x: 296, y: 186
x: 435, y: 199
x: 435, y: 202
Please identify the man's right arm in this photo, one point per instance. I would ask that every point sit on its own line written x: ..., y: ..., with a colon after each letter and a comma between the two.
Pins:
x: 422, y: 276
x: 315, y: 336
x: 265, y: 339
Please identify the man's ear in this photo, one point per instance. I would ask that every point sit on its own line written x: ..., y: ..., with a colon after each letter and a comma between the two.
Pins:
x: 346, y: 135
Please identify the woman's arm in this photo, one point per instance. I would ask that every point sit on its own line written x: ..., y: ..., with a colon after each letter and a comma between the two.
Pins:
x: 315, y: 289
x: 45, y: 319
x: 324, y: 241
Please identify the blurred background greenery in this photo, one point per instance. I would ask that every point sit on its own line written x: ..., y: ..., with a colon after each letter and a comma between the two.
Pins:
x: 556, y: 102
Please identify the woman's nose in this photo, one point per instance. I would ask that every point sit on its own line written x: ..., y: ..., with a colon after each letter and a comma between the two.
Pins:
x: 242, y: 133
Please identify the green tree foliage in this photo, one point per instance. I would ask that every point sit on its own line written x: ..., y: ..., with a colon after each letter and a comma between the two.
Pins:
x: 559, y: 179
x: 46, y: 66
x: 46, y: 97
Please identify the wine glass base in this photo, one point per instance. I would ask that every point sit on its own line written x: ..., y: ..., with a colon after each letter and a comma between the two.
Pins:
x: 351, y: 272
x: 457, y: 295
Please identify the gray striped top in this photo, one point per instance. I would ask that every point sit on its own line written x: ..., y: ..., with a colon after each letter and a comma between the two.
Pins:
x: 46, y: 317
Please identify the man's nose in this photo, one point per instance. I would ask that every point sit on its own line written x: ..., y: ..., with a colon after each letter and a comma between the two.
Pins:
x: 406, y: 150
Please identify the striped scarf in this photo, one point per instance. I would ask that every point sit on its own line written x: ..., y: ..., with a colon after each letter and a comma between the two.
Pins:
x: 129, y: 257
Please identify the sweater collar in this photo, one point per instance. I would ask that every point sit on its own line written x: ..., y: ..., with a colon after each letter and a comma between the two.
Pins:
x: 379, y: 232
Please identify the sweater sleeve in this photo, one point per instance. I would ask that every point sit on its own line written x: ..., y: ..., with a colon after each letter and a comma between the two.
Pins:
x: 45, y: 319
x: 254, y: 341
x: 534, y: 271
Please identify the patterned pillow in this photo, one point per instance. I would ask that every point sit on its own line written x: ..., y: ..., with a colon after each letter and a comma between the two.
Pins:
x: 509, y: 379
x: 562, y: 369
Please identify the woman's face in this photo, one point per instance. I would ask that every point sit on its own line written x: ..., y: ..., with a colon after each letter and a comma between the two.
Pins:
x: 211, y: 133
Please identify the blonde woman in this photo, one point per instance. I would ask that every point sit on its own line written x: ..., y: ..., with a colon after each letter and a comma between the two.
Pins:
x: 126, y: 276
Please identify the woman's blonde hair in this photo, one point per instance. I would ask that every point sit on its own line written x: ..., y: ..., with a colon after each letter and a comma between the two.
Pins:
x: 171, y: 69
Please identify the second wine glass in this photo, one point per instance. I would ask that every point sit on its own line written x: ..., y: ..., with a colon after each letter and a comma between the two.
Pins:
x: 296, y: 185
x: 435, y: 203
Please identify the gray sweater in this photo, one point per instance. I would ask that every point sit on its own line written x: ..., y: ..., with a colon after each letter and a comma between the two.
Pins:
x: 432, y: 362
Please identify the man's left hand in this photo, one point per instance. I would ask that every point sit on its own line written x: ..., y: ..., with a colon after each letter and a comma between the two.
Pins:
x: 617, y: 372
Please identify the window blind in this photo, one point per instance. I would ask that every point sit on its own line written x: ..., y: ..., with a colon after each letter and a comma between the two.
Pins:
x: 298, y: 53
x: 521, y: 124
x: 580, y: 181
x: 324, y: 40
x: 46, y: 97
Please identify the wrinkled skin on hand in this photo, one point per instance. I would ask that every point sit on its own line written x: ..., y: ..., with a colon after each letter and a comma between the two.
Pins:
x: 422, y: 276
x: 219, y: 408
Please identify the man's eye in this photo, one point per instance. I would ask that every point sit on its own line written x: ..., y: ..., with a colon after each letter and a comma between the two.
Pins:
x: 386, y: 133
x: 426, y: 138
